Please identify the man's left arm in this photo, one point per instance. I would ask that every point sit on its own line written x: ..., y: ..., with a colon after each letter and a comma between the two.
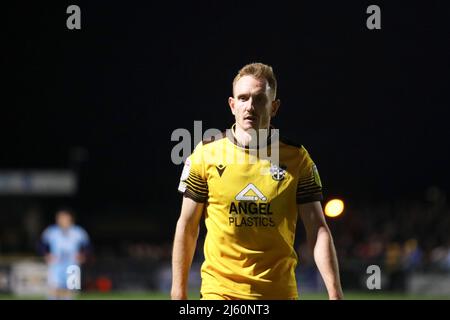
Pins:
x: 320, y: 242
x: 84, y: 247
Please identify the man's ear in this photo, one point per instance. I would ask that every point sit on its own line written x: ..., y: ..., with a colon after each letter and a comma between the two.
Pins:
x: 231, y: 104
x: 275, y: 106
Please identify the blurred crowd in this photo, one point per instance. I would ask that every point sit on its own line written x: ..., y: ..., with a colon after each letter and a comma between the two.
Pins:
x: 405, y: 235
x: 400, y: 235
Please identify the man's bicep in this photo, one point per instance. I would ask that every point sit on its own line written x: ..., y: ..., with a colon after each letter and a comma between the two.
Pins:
x: 191, y: 211
x: 312, y: 215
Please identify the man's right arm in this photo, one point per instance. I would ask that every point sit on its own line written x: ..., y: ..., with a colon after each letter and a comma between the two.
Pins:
x: 184, y: 245
x: 44, y: 246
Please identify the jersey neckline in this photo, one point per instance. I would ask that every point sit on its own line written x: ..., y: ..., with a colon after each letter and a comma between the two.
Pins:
x: 231, y: 135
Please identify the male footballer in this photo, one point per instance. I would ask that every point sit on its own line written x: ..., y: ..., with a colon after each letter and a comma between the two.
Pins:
x: 250, y: 201
x: 65, y: 244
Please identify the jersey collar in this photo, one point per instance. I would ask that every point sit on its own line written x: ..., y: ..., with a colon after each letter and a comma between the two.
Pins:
x: 231, y: 135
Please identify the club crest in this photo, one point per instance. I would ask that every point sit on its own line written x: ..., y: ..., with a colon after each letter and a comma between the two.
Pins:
x: 278, y: 172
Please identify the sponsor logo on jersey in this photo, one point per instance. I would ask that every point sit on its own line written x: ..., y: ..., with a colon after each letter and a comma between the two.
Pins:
x: 250, y: 193
x: 249, y: 207
x: 248, y: 212
x: 220, y: 169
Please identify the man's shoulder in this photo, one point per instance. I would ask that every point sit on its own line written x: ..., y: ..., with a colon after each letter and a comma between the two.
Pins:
x: 214, y: 138
x: 79, y: 229
x: 207, y: 145
x: 291, y: 143
x: 290, y: 146
x: 52, y: 228
x: 51, y: 231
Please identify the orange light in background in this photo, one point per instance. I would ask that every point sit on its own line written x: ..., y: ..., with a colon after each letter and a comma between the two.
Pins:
x: 334, y: 208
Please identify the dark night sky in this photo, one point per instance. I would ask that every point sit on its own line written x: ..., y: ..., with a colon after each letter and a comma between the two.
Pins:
x: 370, y: 106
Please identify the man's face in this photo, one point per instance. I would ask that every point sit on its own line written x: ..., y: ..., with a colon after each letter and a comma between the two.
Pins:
x: 252, y: 104
x: 64, y: 219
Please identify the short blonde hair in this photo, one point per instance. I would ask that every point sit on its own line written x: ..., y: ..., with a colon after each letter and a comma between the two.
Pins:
x: 259, y: 71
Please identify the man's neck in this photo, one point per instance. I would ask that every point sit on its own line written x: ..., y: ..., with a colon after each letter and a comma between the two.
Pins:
x: 246, y: 138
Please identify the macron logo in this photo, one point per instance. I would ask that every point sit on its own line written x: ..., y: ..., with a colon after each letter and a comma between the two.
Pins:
x: 250, y: 193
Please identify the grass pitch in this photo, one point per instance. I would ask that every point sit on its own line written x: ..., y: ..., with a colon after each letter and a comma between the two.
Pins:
x: 369, y: 295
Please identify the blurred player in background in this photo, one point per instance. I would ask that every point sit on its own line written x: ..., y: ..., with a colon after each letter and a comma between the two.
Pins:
x: 65, y: 244
x: 251, y: 207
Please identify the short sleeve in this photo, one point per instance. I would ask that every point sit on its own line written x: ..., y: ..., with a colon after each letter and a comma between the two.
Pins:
x: 46, y: 235
x: 84, y: 237
x: 44, y: 244
x: 193, y: 182
x: 309, y: 187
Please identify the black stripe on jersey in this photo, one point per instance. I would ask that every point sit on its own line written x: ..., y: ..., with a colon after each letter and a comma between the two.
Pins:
x: 309, y: 198
x: 302, y: 193
x: 309, y: 188
x: 306, y: 183
x: 196, y: 181
x: 194, y: 196
x: 307, y: 194
x: 196, y: 187
x: 194, y: 177
x: 302, y: 180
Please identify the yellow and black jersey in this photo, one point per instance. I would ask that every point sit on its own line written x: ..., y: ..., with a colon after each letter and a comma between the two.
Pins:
x: 250, y: 214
